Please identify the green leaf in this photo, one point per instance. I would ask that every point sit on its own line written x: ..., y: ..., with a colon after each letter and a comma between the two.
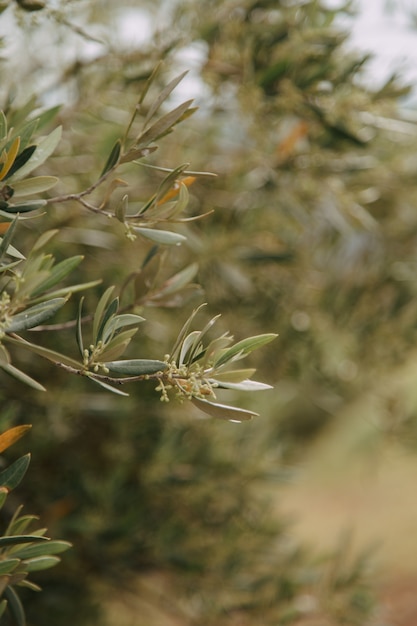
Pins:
x: 3, y: 605
x: 98, y: 315
x: 169, y: 181
x: 137, y: 153
x: 79, y: 330
x: 44, y: 239
x: 163, y: 96
x: 3, y: 126
x: 21, y: 376
x: 244, y: 385
x: 113, y: 157
x: 121, y: 208
x: 24, y: 207
x: 50, y: 547
x: 35, y: 315
x: 5, y: 242
x: 47, y: 353
x: 224, y: 412
x: 163, y: 125
x: 26, y: 132
x: 31, y: 186
x: 58, y: 273
x: 234, y: 376
x: 244, y: 347
x: 47, y: 116
x: 40, y: 563
x: 107, y: 317
x: 15, y: 606
x: 20, y: 160
x: 160, y: 236
x: 67, y: 291
x: 19, y: 524
x: 183, y: 332
x: 13, y: 540
x: 117, y: 345
x: 136, y: 367
x: 3, y: 496
x: 115, y: 323
x: 43, y: 151
x: 12, y: 475
x: 8, y: 565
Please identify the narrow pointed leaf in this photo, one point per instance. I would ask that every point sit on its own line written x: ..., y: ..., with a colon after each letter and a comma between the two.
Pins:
x: 233, y: 376
x: 15, y: 606
x: 13, y: 540
x: 164, y: 124
x: 119, y: 342
x: 12, y: 475
x: 43, y: 151
x: 183, y: 332
x: 163, y: 96
x: 41, y: 563
x: 47, y: 353
x: 160, y: 236
x: 10, y: 436
x: 35, y: 315
x: 5, y: 242
x: 244, y: 385
x: 25, y: 207
x: 98, y: 315
x: 79, y: 330
x: 65, y: 292
x: 107, y: 318
x: 136, y: 367
x: 58, y: 273
x: 21, y: 376
x: 11, y: 156
x: 3, y: 126
x: 224, y: 412
x: 113, y: 157
x: 8, y: 565
x: 31, y: 186
x: 244, y: 347
x: 21, y: 160
x: 50, y: 547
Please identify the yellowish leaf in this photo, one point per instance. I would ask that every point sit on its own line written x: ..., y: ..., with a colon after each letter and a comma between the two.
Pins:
x: 12, y: 435
x: 9, y: 157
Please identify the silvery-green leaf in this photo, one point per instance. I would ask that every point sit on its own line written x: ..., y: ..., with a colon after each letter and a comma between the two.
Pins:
x: 21, y: 376
x: 136, y: 367
x: 160, y: 236
x: 98, y: 315
x: 35, y: 315
x: 41, y: 563
x: 244, y: 347
x: 113, y: 157
x: 223, y: 411
x: 244, y: 385
x: 58, y: 273
x: 31, y: 186
x: 43, y: 151
x: 233, y: 376
x: 25, y: 207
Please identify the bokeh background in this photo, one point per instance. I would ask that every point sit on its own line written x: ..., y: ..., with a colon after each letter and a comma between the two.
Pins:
x: 305, y: 516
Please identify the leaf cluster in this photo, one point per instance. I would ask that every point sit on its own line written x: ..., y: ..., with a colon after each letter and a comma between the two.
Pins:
x: 22, y: 551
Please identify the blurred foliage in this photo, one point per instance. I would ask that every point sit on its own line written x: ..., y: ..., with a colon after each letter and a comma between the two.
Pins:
x: 312, y: 237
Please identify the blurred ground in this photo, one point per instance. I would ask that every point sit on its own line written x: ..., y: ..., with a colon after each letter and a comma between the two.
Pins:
x: 374, y: 497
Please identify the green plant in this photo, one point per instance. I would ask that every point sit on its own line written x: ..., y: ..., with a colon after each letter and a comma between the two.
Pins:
x: 22, y: 550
